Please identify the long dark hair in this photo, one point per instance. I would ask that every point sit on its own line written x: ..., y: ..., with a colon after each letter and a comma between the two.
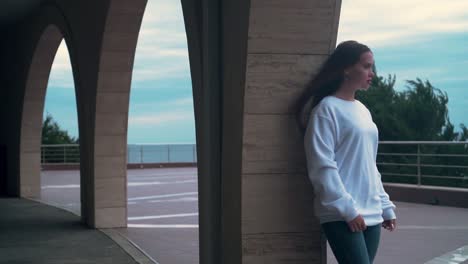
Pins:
x: 329, y: 78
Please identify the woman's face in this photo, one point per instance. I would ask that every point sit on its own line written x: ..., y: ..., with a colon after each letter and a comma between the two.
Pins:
x: 360, y: 74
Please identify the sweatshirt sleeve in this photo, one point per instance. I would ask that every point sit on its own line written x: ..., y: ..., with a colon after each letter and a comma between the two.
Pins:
x: 323, y: 171
x: 387, y: 205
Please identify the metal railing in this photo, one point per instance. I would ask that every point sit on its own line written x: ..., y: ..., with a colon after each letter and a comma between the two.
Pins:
x: 136, y: 153
x: 161, y: 153
x: 438, y: 163
x: 63, y: 154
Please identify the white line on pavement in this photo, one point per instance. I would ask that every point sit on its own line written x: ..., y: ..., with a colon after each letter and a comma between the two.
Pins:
x: 130, y: 173
x: 67, y: 186
x: 134, y: 184
x: 160, y: 216
x: 162, y: 175
x: 183, y: 199
x: 161, y: 226
x: 454, y: 257
x: 433, y: 227
x: 159, y: 178
x: 162, y: 196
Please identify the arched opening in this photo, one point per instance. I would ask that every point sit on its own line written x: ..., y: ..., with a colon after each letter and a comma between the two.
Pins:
x: 39, y: 178
x: 162, y: 175
x: 60, y: 159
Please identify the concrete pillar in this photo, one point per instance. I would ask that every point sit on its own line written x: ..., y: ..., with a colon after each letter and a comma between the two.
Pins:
x: 255, y: 199
x: 288, y: 40
x: 33, y: 108
x: 112, y: 104
x: 217, y: 41
x: 263, y: 213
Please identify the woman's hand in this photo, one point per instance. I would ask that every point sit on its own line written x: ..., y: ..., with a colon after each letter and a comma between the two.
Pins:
x: 390, y: 225
x: 357, y: 224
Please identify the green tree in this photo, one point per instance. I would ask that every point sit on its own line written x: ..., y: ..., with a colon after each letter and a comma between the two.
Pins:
x: 53, y: 134
x: 419, y: 113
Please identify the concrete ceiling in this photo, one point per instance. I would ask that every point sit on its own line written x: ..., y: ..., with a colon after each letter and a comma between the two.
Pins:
x: 13, y: 10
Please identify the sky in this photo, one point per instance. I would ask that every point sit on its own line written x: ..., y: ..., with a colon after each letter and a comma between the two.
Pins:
x: 410, y: 39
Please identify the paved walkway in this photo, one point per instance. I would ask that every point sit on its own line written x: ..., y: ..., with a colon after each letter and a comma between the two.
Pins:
x: 163, y: 214
x: 34, y: 233
x: 424, y: 232
x: 162, y: 209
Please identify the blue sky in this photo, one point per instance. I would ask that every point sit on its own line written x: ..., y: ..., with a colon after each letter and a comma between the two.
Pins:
x: 425, y: 39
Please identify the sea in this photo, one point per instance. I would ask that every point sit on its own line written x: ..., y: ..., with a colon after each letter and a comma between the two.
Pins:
x: 161, y: 153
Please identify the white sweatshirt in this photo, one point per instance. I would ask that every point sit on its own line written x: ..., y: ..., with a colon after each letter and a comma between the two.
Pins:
x: 341, y: 148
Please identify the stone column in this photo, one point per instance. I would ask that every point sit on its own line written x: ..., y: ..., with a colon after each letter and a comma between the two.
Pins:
x: 111, y: 117
x: 288, y: 41
x: 33, y: 108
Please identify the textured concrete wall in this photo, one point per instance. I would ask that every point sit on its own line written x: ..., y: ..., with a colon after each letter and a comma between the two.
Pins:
x: 288, y: 41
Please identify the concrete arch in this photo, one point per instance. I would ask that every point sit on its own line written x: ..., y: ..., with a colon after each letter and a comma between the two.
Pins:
x: 50, y: 28
x: 101, y: 53
x: 33, y: 108
x: 114, y: 76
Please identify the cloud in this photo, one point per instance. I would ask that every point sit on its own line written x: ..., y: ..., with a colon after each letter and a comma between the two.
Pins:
x: 188, y: 101
x: 162, y: 11
x: 62, y: 58
x: 161, y: 35
x: 397, y: 22
x: 410, y: 73
x: 162, y: 46
x: 452, y: 79
x: 161, y: 118
x: 161, y: 50
x: 158, y: 72
x: 61, y: 72
x: 181, y: 103
x: 154, y: 53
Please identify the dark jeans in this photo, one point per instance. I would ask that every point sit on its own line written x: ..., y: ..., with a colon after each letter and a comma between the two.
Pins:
x: 352, y: 247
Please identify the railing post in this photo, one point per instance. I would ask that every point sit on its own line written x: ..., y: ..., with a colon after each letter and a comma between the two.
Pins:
x: 419, y: 164
x: 64, y: 154
x: 43, y: 154
x: 168, y: 153
x: 77, y: 154
x: 141, y: 154
x: 194, y: 147
x: 128, y: 154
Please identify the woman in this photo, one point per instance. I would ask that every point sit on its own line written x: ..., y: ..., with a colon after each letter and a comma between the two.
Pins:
x: 341, y: 147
